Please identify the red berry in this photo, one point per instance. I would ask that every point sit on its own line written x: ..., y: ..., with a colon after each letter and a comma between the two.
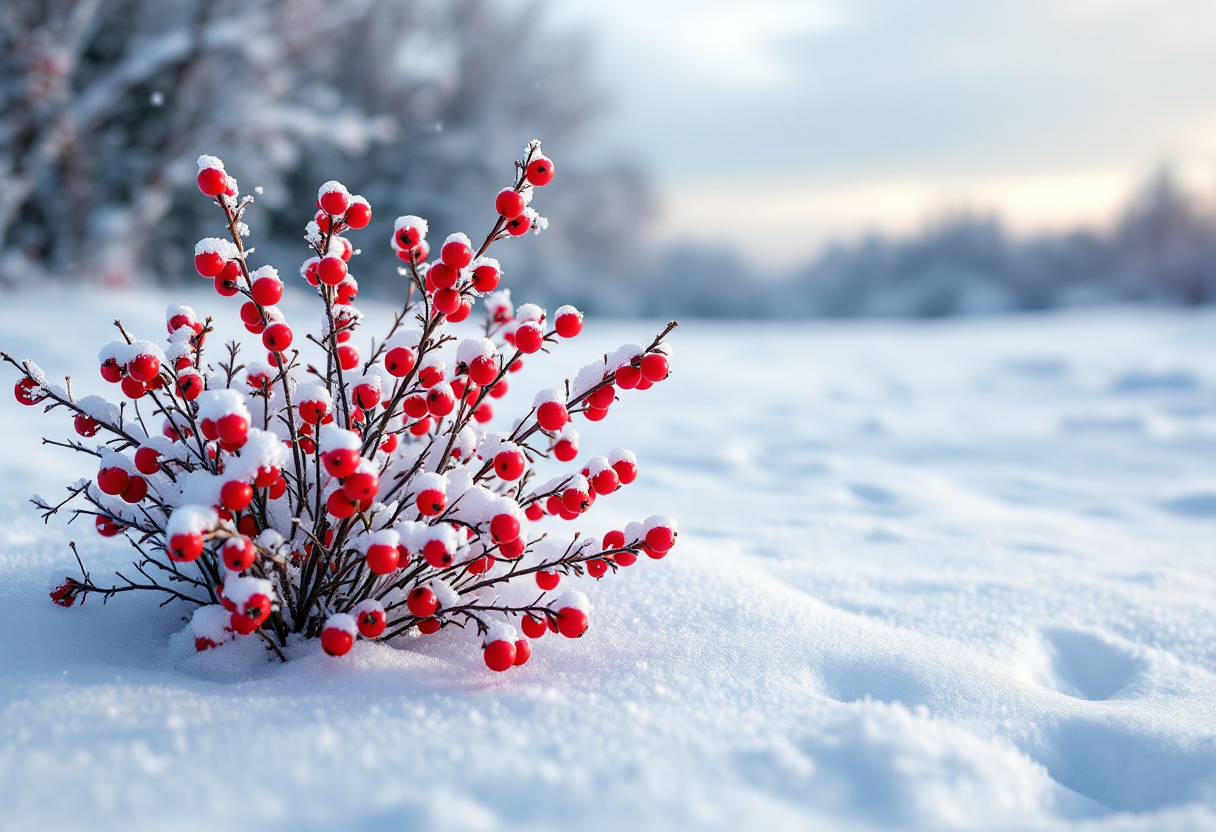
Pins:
x: 499, y: 655
x: 540, y: 171
x: 238, y: 553
x: 654, y: 366
x: 571, y: 622
x: 519, y: 225
x: 415, y: 406
x: 212, y: 181
x: 232, y: 429
x: 382, y: 558
x: 509, y: 464
x: 485, y: 278
x: 431, y: 502
x: 513, y: 549
x: 209, y: 263
x: 436, y: 553
x: 335, y: 202
x: 336, y: 641
x: 372, y: 621
x: 359, y: 213
x: 226, y: 280
x: 483, y: 413
x: 422, y: 602
x: 523, y: 652
x: 660, y: 538
x: 367, y: 396
x: 107, y: 527
x: 447, y: 301
x: 625, y: 558
x: 480, y: 565
x: 136, y: 489
x: 278, y: 488
x: 429, y: 626
x: 185, y: 548
x: 576, y: 500
x: 147, y: 460
x: 602, y: 398
x: 399, y: 361
x: 133, y: 388
x: 565, y: 450
x: 504, y: 528
x: 111, y: 371
x: 509, y: 203
x: 341, y: 462
x: 456, y: 254
x: 85, y: 425
x: 442, y: 276
x: 267, y: 290
x: 483, y: 369
x: 529, y: 337
x: 626, y: 471
x: 595, y: 414
x: 596, y: 567
x: 534, y: 512
x: 409, y: 237
x: 569, y: 324
x: 113, y: 481
x: 614, y: 539
x: 547, y: 580
x: 312, y: 412
x: 189, y: 385
x: 440, y: 401
x: 606, y: 481
x: 277, y: 337
x: 331, y: 270
x: 339, y: 505
x: 348, y: 356
x: 236, y: 495
x: 532, y: 627
x: 627, y: 377
x: 361, y: 485
x: 144, y: 367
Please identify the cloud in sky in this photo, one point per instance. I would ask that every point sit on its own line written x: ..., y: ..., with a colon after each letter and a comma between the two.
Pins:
x: 1042, y: 108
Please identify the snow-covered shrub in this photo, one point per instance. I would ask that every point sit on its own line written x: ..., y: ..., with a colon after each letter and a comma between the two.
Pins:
x: 360, y: 493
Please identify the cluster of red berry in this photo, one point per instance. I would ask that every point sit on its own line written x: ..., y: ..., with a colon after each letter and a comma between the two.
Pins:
x: 357, y: 495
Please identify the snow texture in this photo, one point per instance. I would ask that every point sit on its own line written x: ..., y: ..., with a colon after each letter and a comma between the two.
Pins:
x: 930, y: 576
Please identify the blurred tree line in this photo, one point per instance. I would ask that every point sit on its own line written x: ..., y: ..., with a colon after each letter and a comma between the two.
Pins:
x: 1161, y: 250
x: 420, y: 105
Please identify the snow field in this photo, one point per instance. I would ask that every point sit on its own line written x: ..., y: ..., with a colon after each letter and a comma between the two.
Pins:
x: 950, y: 575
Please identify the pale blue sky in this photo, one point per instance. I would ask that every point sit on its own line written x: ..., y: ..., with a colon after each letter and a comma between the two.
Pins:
x: 817, y: 119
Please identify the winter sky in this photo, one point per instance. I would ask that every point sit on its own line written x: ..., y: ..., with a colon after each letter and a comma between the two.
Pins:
x: 810, y: 120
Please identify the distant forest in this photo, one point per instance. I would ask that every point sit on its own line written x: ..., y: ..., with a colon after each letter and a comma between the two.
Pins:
x: 1161, y: 250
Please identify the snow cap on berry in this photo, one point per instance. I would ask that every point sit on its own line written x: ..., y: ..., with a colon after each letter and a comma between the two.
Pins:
x: 334, y: 438
x: 529, y: 312
x: 224, y: 248
x: 175, y: 309
x: 331, y: 187
x: 574, y: 600
x: 367, y: 607
x: 205, y: 162
x: 655, y: 521
x: 597, y: 465
x: 113, y: 459
x: 622, y: 355
x: 622, y: 455
x: 384, y: 537
x: 458, y: 237
x: 501, y: 631
x: 270, y: 540
x: 313, y: 391
x: 341, y: 621
x: 191, y: 519
x: 549, y: 394
x: 430, y: 481
x: 239, y: 589
x: 211, y: 622
x: 410, y: 221
x: 262, y: 449
x: 215, y: 404
x: 99, y: 409
x: 473, y: 348
x: 408, y: 337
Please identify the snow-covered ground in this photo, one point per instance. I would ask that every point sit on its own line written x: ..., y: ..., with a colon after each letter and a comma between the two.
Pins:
x: 953, y: 575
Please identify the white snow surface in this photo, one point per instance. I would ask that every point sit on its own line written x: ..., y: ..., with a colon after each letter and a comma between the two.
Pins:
x: 955, y: 575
